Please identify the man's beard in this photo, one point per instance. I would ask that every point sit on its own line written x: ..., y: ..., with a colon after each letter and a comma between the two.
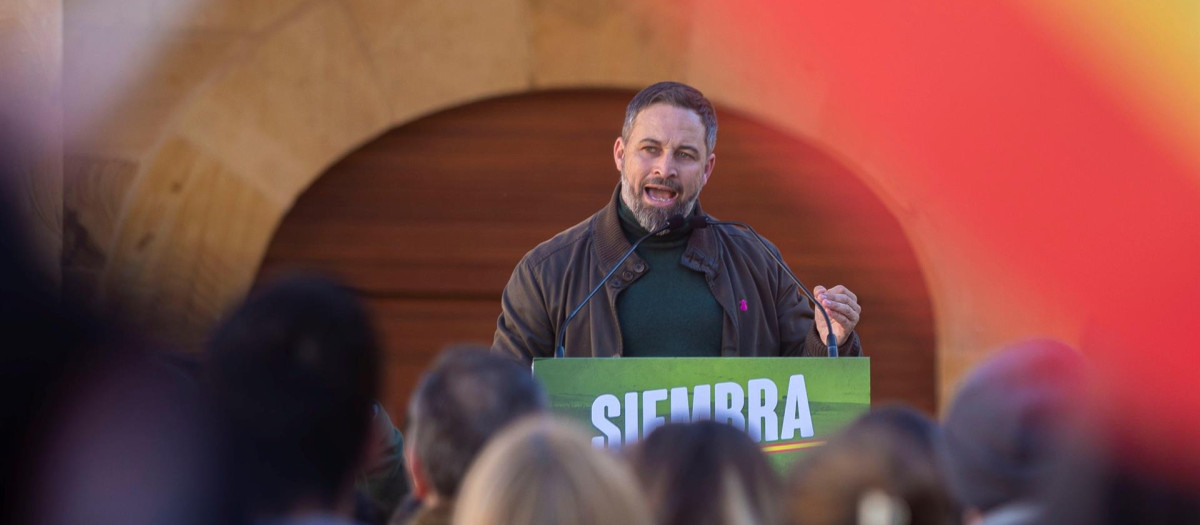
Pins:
x: 652, y: 218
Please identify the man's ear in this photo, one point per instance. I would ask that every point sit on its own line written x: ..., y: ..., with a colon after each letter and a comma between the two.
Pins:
x: 709, y: 165
x: 619, y: 154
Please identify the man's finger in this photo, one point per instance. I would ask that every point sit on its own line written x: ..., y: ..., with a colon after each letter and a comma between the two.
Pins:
x: 840, y: 289
x: 834, y: 317
x: 817, y: 291
x: 838, y: 297
x: 842, y: 308
x: 839, y: 318
x: 849, y: 308
x: 846, y: 317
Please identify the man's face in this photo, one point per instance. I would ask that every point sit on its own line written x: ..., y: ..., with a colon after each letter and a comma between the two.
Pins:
x: 664, y: 164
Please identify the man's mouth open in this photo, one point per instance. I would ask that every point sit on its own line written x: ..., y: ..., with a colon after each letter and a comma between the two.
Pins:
x: 660, y: 195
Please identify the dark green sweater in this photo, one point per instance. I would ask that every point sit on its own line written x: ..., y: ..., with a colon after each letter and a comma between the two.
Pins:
x: 670, y: 310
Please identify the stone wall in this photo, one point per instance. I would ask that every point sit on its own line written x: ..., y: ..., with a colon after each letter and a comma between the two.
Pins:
x: 195, y: 125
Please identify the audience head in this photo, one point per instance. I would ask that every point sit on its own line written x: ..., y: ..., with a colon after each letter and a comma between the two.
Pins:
x: 706, y: 473
x: 542, y: 471
x: 880, y: 469
x: 467, y: 397
x: 1007, y: 426
x: 295, y: 372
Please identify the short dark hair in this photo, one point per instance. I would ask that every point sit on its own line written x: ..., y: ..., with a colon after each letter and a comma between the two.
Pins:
x: 679, y: 95
x: 295, y: 374
x: 904, y: 420
x: 887, y: 456
x: 706, y: 473
x: 466, y: 398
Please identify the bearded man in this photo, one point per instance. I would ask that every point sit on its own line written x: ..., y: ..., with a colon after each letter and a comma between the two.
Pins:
x: 705, y: 292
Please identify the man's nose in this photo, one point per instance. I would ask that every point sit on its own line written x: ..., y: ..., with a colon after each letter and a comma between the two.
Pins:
x: 665, y: 166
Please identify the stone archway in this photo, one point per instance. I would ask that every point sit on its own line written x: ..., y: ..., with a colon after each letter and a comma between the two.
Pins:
x: 428, y: 220
x: 248, y: 105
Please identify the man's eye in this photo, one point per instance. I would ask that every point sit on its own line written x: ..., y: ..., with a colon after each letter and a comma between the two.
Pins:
x: 650, y: 149
x: 685, y: 155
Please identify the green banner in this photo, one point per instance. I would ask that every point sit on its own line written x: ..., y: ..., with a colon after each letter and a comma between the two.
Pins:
x: 788, y: 405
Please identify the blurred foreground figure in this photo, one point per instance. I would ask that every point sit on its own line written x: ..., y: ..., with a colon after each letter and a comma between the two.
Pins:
x: 95, y: 427
x: 543, y: 471
x: 1030, y: 440
x: 1010, y: 427
x: 462, y: 402
x: 295, y: 372
x: 706, y: 473
x: 880, y: 470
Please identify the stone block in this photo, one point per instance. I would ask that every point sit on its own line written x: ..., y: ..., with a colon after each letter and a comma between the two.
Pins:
x: 123, y: 89
x: 128, y: 14
x: 237, y: 16
x: 619, y: 43
x: 301, y: 99
x: 435, y: 54
x: 94, y: 189
x: 193, y: 235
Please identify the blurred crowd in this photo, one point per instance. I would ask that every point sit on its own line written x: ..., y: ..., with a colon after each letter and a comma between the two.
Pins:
x: 277, y: 421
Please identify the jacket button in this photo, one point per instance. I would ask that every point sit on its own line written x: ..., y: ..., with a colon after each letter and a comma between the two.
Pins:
x: 615, y: 283
x: 639, y: 267
x: 627, y: 274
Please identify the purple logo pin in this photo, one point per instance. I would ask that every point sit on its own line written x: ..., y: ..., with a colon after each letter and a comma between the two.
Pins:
x: 742, y: 305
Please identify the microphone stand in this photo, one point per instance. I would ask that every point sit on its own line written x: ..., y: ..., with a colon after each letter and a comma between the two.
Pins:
x: 830, y: 339
x: 675, y: 221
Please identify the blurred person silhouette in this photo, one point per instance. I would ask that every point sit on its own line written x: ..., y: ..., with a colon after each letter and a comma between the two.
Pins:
x: 1097, y: 484
x: 466, y: 397
x: 882, y: 469
x: 1100, y: 474
x: 1009, y: 428
x: 381, y: 483
x: 294, y: 373
x: 98, y: 426
x: 544, y: 471
x: 706, y: 473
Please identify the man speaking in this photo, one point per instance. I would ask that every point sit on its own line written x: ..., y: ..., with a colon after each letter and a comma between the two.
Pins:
x: 692, y: 290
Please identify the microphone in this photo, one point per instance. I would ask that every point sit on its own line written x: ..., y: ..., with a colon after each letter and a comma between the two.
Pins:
x: 701, y: 221
x: 673, y: 222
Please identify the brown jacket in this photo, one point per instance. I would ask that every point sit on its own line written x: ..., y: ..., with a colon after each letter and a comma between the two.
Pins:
x: 557, y: 274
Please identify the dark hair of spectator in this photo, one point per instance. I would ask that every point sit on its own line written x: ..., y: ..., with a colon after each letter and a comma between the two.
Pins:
x: 883, y: 464
x: 678, y: 95
x: 905, y: 420
x: 468, y: 396
x: 295, y: 370
x: 706, y: 473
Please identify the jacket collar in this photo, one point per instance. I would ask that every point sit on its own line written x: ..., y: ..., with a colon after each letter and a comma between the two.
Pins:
x: 702, y: 247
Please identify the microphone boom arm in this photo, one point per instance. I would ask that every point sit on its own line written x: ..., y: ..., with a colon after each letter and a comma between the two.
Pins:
x: 830, y: 339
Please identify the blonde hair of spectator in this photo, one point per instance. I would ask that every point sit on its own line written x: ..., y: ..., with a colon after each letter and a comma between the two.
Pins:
x: 545, y: 471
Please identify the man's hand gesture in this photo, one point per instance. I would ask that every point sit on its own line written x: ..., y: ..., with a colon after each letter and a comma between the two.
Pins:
x: 843, y: 309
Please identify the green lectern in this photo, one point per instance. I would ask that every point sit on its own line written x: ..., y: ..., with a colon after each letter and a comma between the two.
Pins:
x: 787, y: 404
